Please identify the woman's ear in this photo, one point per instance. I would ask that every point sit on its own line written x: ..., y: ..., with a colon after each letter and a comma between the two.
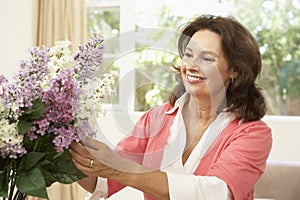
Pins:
x: 233, y: 73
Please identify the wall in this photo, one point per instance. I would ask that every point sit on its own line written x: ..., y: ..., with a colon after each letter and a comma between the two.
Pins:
x: 286, y: 138
x: 15, y: 34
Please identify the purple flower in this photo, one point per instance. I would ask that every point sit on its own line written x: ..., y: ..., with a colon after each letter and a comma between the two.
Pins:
x: 88, y: 58
x: 84, y: 129
x: 62, y: 104
x: 26, y: 85
x: 12, y: 151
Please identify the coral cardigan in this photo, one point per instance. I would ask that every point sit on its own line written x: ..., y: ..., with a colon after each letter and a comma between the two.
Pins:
x: 238, y: 155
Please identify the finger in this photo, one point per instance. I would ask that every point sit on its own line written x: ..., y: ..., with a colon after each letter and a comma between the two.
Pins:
x: 107, y: 157
x: 93, y: 144
x: 78, y: 158
x: 84, y: 169
x: 75, y: 146
x: 82, y: 160
x: 85, y: 165
x: 79, y: 148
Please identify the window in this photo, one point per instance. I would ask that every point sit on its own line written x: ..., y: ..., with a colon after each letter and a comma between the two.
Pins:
x: 276, y: 28
x: 141, y: 55
x: 146, y: 68
x: 114, y: 19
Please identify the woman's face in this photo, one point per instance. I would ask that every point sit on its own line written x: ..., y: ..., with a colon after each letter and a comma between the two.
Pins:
x: 204, y: 68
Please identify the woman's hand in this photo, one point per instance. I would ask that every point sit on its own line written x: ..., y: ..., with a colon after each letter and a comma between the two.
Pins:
x: 95, y: 158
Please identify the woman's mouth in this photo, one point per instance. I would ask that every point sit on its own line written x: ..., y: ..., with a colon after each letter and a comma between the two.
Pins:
x: 194, y: 79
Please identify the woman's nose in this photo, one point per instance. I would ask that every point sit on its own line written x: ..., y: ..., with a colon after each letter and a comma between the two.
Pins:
x: 191, y: 64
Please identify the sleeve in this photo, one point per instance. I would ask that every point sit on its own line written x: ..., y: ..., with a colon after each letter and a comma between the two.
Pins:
x: 192, y: 187
x: 101, y: 190
x: 243, y: 160
x: 132, y: 148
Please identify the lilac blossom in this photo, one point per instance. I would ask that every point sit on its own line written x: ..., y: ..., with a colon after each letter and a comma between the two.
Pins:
x: 68, y: 88
x: 62, y: 104
x: 12, y: 151
x: 64, y: 135
x: 17, y: 95
x: 26, y: 85
x: 83, y: 129
x: 10, y: 140
x: 88, y: 58
x: 60, y: 58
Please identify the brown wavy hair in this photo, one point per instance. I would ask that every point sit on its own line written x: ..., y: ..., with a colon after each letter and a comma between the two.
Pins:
x: 243, y: 97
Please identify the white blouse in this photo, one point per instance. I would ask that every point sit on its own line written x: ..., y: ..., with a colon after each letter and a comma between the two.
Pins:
x: 181, y: 181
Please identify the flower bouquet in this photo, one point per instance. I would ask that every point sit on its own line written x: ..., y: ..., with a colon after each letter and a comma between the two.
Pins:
x: 54, y: 99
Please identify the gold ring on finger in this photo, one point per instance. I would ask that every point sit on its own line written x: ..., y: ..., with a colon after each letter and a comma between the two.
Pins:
x: 91, y: 163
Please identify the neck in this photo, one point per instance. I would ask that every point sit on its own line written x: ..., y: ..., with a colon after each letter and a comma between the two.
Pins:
x: 202, y: 111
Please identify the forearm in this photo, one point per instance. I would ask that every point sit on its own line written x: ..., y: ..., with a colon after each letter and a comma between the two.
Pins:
x: 154, y: 183
x: 89, y: 183
x: 108, y: 164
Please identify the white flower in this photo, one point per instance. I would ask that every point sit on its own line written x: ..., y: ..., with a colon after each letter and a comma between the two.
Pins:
x: 8, y: 131
x: 106, y: 85
x: 93, y: 96
x: 60, y: 58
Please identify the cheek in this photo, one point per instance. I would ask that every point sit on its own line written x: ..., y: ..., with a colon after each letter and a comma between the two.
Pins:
x: 210, y: 71
x: 182, y: 65
x: 217, y: 77
x: 213, y: 72
x: 183, y: 69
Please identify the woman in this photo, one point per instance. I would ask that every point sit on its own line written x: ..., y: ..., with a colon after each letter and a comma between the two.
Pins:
x: 208, y: 141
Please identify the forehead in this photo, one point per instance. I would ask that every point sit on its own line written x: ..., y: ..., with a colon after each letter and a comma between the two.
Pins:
x: 206, y: 40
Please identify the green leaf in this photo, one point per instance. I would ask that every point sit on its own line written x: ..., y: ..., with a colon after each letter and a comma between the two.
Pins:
x: 24, y: 126
x: 66, y: 171
x: 32, y: 183
x: 41, y: 144
x: 4, y: 162
x: 38, y: 109
x: 4, y: 180
x: 29, y: 115
x: 67, y: 178
x: 31, y: 159
x: 62, y: 169
x: 49, y: 178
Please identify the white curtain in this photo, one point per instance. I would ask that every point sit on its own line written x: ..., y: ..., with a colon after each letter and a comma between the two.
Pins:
x: 55, y: 20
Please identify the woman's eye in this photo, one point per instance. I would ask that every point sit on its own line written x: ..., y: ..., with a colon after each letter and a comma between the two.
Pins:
x: 208, y: 59
x: 187, y: 55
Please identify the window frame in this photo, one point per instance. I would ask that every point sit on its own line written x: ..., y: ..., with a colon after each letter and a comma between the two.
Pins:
x: 124, y: 56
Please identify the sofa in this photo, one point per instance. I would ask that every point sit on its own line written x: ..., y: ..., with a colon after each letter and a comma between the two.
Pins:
x: 281, y: 181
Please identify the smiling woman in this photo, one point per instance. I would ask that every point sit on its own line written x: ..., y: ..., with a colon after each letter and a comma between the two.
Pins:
x: 208, y: 141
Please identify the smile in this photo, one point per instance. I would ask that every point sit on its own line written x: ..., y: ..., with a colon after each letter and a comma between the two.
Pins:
x: 195, y: 78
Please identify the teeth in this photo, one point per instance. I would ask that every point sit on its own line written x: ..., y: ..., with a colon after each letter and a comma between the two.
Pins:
x: 194, y: 78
